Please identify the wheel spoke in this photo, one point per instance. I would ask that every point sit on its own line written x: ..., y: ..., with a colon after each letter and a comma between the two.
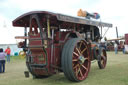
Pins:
x: 76, y: 54
x: 104, y: 58
x: 75, y: 60
x: 102, y: 62
x: 84, y: 67
x: 77, y: 71
x: 83, y: 50
x: 76, y: 66
x: 102, y: 54
x: 85, y: 59
x: 84, y: 43
x: 78, y: 51
x: 80, y: 44
x: 81, y: 73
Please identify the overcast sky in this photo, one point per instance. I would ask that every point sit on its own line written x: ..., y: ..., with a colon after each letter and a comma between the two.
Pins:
x: 112, y: 11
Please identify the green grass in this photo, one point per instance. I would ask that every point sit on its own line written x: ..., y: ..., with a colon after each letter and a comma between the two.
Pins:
x: 116, y: 73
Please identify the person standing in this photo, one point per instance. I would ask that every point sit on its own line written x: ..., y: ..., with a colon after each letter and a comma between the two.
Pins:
x: 123, y: 48
x: 2, y: 60
x: 8, y: 51
x: 116, y: 48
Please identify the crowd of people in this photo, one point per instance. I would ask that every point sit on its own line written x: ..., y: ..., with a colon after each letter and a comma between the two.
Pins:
x: 122, y: 47
x: 2, y: 58
x: 115, y: 46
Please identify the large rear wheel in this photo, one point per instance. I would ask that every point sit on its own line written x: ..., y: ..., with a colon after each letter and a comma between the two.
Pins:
x: 76, y: 59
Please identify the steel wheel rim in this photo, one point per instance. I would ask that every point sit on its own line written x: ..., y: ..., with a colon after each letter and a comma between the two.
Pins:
x: 80, y: 60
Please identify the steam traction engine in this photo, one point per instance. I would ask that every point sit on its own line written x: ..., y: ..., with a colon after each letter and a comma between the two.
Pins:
x: 59, y: 43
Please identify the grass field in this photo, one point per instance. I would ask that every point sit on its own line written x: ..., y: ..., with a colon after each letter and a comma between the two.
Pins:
x: 116, y: 73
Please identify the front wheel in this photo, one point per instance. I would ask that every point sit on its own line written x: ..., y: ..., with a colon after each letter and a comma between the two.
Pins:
x: 75, y: 59
x: 102, y: 61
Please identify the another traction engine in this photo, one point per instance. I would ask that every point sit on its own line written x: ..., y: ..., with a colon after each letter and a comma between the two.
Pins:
x: 59, y: 43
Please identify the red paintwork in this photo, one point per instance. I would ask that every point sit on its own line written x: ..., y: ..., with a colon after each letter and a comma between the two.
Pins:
x: 53, y: 61
x: 23, y: 20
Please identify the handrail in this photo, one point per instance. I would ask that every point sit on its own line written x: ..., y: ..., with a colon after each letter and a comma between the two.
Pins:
x: 21, y: 37
x: 26, y: 37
